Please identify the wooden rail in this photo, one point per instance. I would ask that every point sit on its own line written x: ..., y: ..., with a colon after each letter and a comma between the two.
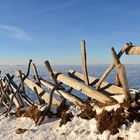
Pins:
x: 43, y: 94
x: 70, y: 97
x: 122, y: 51
x: 89, y: 91
x: 107, y: 87
x: 133, y: 50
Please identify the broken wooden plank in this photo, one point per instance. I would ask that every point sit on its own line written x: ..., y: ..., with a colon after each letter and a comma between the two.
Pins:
x: 89, y: 91
x: 133, y: 50
x: 40, y: 91
x: 84, y: 62
x: 122, y: 76
x: 126, y: 47
x: 70, y: 97
x: 105, y: 86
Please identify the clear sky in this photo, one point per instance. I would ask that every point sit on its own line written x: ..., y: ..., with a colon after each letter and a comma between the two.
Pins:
x: 52, y: 29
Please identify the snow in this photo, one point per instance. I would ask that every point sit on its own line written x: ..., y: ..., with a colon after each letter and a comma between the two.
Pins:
x: 10, y: 124
x: 131, y: 133
x: 78, y: 128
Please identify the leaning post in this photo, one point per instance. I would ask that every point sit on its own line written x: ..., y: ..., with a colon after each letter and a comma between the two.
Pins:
x: 84, y: 61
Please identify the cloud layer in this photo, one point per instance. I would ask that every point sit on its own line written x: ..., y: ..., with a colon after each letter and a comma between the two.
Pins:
x: 14, y: 32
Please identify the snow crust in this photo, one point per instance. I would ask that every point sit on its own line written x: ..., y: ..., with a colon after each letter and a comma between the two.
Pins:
x: 77, y: 129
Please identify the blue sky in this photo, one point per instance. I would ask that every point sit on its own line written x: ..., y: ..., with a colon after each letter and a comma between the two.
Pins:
x: 52, y: 29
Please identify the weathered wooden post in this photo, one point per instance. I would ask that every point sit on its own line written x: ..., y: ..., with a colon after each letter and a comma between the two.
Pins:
x: 90, y: 92
x: 16, y: 90
x: 124, y: 49
x: 51, y: 74
x: 60, y: 92
x: 117, y: 80
x: 105, y: 87
x: 14, y: 99
x: 84, y: 62
x: 36, y: 74
x: 4, y: 99
x: 39, y: 100
x: 122, y: 76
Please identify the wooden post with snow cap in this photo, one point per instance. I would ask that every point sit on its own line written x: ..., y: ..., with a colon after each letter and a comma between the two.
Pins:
x: 122, y: 76
x: 90, y: 92
x: 84, y: 61
x: 124, y: 49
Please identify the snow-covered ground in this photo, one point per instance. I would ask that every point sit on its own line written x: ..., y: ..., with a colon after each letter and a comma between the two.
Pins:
x: 78, y: 128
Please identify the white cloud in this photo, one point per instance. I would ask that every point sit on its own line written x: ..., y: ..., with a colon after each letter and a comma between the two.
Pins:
x: 13, y: 31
